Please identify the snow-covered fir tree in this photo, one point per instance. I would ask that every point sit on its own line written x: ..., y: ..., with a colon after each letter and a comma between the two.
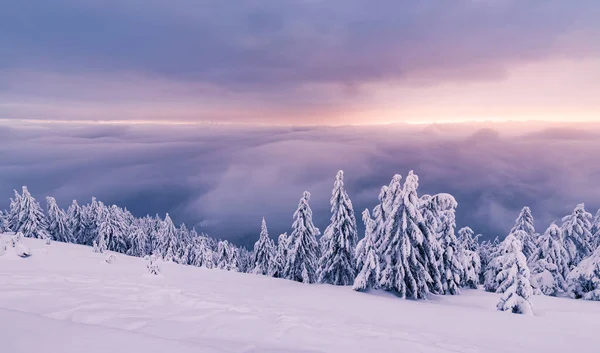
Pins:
x: 245, y: 260
x: 432, y: 214
x: 468, y: 239
x: 380, y: 213
x: 584, y: 280
x: 58, y: 226
x: 495, y: 265
x: 409, y: 265
x: 576, y: 231
x: 264, y: 251
x: 208, y: 253
x: 112, y: 229
x: 76, y: 223
x: 27, y: 216
x: 595, y: 231
x: 368, y: 261
x: 167, y: 242
x: 3, y: 221
x: 92, y: 214
x: 485, y: 250
x: 513, y: 278
x: 524, y: 222
x: 450, y: 261
x: 227, y: 256
x: 550, y: 263
x: 303, y: 252
x: 337, y: 262
x: 512, y: 253
x: 280, y: 258
x: 183, y: 241
x: 370, y: 229
x: 138, y: 239
x: 223, y: 255
x: 234, y: 258
x: 12, y: 216
x: 469, y: 257
x: 154, y: 226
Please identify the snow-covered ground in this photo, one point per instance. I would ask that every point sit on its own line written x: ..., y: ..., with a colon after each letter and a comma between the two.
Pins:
x: 65, y: 298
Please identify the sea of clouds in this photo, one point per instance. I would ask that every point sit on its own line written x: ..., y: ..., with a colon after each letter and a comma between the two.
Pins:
x: 224, y: 178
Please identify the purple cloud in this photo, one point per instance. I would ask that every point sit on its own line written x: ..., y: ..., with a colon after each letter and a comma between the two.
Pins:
x: 228, y: 178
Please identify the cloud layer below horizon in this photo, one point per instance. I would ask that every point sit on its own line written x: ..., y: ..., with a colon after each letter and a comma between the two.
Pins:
x: 301, y: 62
x: 226, y: 178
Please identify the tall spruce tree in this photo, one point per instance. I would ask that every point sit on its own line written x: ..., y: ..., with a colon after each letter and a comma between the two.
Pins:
x: 167, y: 242
x: 409, y: 265
x: 76, y: 223
x: 27, y: 216
x: 550, y: 263
x: 183, y: 241
x: 264, y: 251
x: 92, y: 214
x: 337, y: 262
x: 432, y: 214
x: 576, y: 230
x: 58, y: 225
x: 451, y: 264
x: 303, y: 252
x: 368, y: 261
x: 138, y: 238
x: 525, y: 223
x: 111, y: 229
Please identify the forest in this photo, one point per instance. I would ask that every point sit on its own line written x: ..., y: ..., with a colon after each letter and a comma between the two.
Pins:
x: 410, y: 246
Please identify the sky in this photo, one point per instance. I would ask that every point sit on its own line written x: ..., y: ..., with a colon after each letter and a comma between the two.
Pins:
x: 300, y: 62
x: 221, y: 113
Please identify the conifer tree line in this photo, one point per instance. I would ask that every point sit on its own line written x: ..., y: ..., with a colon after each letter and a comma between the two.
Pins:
x: 411, y: 246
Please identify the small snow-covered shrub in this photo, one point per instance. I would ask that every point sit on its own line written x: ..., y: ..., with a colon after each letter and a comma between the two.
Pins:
x: 99, y: 248
x: 22, y: 250
x: 584, y: 280
x: 2, y: 248
x: 152, y: 265
x: 110, y: 258
x: 16, y: 238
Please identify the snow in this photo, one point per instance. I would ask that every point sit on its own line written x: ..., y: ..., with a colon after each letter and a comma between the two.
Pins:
x: 68, y: 291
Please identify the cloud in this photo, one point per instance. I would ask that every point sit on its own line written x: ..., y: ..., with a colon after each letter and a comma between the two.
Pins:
x: 274, y: 43
x: 187, y: 59
x: 227, y: 178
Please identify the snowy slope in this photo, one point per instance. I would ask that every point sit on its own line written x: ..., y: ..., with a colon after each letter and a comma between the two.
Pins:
x: 66, y: 299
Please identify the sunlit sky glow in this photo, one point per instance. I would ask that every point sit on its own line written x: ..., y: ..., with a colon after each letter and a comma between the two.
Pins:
x: 296, y: 62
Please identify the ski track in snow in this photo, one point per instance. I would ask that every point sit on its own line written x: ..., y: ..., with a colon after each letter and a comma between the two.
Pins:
x: 65, y: 298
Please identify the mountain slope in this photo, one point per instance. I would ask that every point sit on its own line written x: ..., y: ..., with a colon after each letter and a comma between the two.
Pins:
x: 67, y: 298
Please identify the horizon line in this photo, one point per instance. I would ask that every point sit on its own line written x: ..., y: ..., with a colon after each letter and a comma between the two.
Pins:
x: 497, y: 121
